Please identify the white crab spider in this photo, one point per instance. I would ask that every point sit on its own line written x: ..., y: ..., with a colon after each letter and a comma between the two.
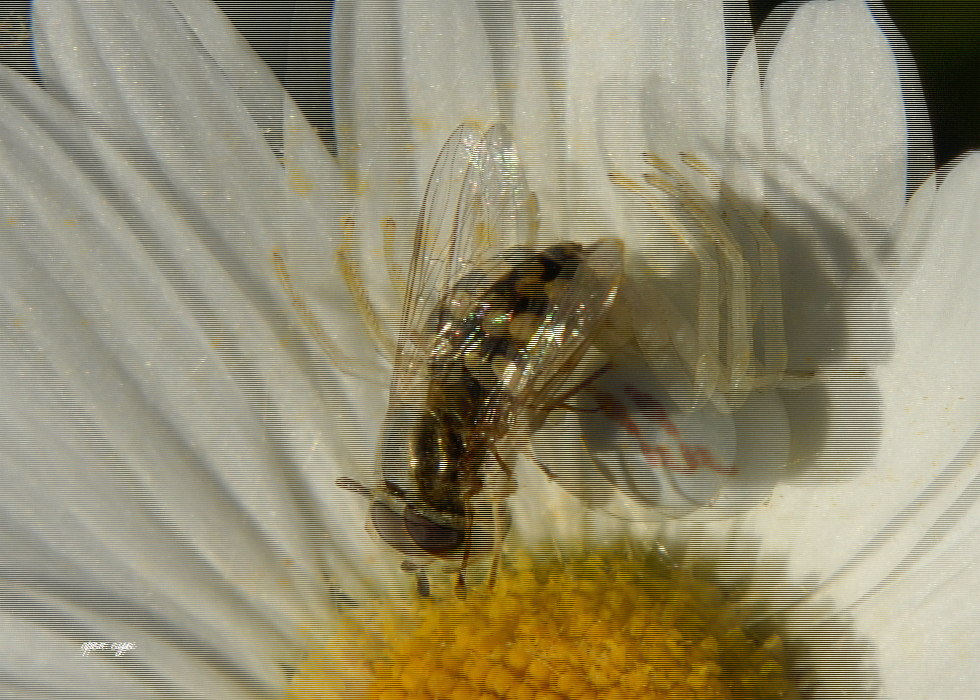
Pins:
x: 684, y: 414
x: 711, y: 326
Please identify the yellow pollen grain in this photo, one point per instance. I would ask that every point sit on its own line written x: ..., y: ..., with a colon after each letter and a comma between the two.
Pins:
x: 603, y: 628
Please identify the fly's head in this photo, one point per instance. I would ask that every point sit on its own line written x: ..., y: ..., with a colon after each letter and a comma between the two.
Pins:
x: 428, y: 503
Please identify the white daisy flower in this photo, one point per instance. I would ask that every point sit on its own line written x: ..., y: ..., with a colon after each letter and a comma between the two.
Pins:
x: 177, y: 416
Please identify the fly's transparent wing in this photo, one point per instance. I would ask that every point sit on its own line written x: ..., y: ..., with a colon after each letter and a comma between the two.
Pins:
x: 476, y: 203
x: 575, y: 316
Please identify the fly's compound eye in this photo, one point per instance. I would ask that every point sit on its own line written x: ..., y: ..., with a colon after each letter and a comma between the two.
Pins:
x: 413, y: 534
x: 417, y: 536
x: 431, y: 536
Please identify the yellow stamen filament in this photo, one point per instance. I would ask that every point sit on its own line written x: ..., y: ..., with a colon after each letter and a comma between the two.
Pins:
x: 605, y: 627
x: 299, y: 305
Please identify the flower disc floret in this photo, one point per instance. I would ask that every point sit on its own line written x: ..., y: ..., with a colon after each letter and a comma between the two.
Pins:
x: 607, y: 625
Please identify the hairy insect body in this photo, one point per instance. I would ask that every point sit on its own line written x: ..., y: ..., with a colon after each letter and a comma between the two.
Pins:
x: 491, y: 330
x: 484, y: 338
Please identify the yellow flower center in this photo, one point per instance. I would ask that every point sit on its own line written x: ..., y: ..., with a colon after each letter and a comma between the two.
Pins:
x: 599, y: 627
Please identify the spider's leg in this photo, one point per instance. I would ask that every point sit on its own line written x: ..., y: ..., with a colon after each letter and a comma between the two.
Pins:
x: 768, y: 294
x: 700, y: 353
x: 737, y: 371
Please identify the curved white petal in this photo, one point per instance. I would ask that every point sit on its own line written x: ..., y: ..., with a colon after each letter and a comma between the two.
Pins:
x: 649, y: 78
x: 834, y: 104
x: 926, y: 608
x: 164, y: 418
x: 529, y: 60
x: 920, y: 485
x: 405, y: 76
x: 132, y: 72
x: 646, y: 77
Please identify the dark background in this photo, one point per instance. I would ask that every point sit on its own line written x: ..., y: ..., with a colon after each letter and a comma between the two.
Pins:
x: 943, y: 37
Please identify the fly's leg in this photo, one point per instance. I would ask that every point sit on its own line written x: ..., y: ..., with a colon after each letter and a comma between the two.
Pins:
x: 501, y: 521
x: 561, y: 402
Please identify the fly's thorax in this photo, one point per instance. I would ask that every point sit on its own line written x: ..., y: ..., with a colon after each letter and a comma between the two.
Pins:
x: 485, y: 324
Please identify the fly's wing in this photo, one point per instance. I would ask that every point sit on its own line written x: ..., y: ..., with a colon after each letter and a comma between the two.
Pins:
x: 577, y: 306
x: 476, y: 203
x: 575, y: 316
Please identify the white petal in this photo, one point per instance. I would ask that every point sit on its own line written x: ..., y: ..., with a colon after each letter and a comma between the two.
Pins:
x: 930, y: 396
x: 745, y: 136
x: 233, y: 208
x: 150, y: 389
x: 405, y: 76
x: 654, y: 77
x: 835, y: 105
x: 648, y: 75
x: 189, y: 103
x: 535, y: 53
x: 929, y: 615
x: 936, y: 356
x: 156, y: 421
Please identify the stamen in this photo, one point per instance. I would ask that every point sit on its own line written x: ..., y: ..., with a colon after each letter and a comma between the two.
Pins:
x: 698, y: 166
x: 352, y: 277
x: 299, y: 305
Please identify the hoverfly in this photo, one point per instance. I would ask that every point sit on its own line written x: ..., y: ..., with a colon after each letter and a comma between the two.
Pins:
x: 490, y: 332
